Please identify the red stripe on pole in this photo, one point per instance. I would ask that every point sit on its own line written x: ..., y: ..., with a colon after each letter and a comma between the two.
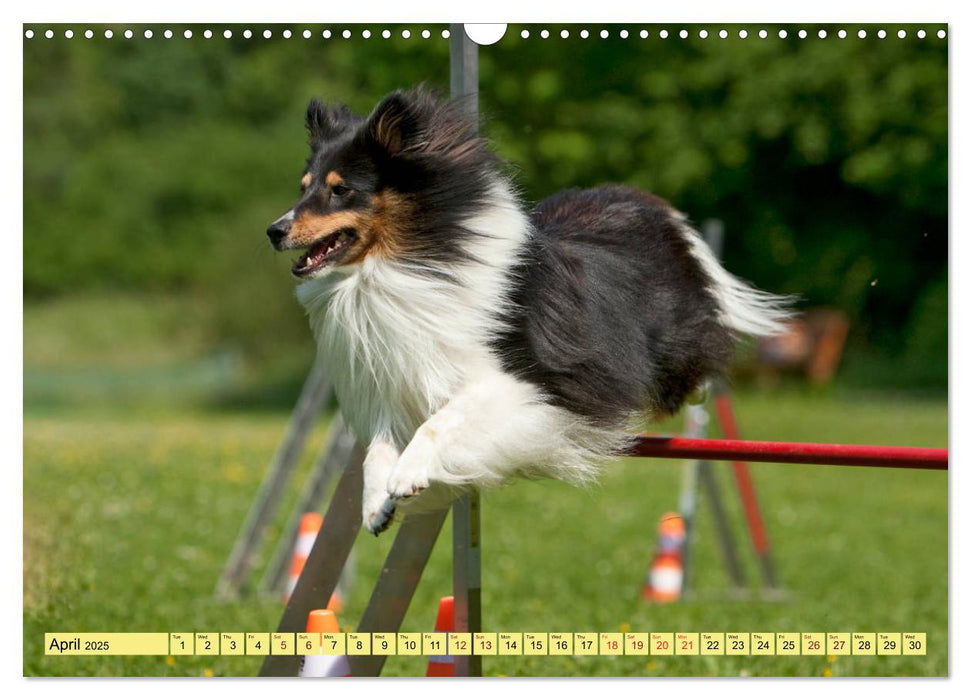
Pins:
x: 726, y: 417
x: 791, y: 452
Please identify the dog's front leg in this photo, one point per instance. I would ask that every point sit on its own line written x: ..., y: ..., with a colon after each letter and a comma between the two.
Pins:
x: 377, y: 507
x: 494, y: 425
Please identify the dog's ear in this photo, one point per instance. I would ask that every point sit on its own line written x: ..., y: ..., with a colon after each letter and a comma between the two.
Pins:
x: 400, y: 121
x: 325, y: 123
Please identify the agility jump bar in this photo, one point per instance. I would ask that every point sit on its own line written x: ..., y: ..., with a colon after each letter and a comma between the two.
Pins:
x: 790, y: 452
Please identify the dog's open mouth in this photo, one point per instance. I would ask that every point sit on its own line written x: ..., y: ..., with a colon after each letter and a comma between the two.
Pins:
x: 323, y: 253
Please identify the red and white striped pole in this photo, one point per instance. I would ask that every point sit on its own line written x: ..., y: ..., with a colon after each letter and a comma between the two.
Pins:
x: 746, y: 490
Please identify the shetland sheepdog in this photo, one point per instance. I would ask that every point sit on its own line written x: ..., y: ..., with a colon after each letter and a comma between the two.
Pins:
x: 470, y: 340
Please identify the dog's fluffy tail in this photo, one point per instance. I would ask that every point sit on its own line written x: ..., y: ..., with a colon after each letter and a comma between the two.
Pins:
x: 744, y: 308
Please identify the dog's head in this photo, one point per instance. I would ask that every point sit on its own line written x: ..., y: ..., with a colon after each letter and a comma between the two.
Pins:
x: 385, y: 185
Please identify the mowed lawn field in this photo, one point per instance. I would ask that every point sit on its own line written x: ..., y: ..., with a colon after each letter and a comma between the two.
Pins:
x: 129, y: 517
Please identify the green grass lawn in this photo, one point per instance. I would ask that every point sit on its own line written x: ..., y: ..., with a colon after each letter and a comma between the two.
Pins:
x: 128, y: 518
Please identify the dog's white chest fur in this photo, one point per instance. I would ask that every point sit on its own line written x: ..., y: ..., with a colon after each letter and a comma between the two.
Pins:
x: 392, y: 346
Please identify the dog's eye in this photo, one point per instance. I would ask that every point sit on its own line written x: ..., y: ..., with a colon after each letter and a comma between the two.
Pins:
x: 340, y: 190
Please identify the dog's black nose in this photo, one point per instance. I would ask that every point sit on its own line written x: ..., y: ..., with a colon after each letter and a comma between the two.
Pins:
x: 277, y: 231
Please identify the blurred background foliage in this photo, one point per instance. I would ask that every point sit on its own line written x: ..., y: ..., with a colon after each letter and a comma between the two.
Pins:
x: 152, y: 168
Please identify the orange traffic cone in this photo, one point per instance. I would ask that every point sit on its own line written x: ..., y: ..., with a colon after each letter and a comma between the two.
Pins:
x: 310, y: 525
x: 665, y: 580
x: 666, y: 575
x: 443, y: 665
x: 320, y: 665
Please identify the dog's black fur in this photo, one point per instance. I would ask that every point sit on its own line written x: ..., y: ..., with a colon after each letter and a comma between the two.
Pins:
x: 611, y: 308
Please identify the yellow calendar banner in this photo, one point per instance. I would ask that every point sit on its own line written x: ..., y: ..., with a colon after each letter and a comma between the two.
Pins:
x: 608, y: 644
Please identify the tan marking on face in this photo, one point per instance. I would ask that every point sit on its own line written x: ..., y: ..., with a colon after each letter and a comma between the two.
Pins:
x: 394, y: 215
x: 333, y: 179
x: 306, y: 180
x: 380, y: 231
x: 310, y: 228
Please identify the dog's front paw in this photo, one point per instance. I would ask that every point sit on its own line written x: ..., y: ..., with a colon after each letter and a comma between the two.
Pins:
x: 378, y: 513
x: 407, y: 484
x: 410, y: 475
